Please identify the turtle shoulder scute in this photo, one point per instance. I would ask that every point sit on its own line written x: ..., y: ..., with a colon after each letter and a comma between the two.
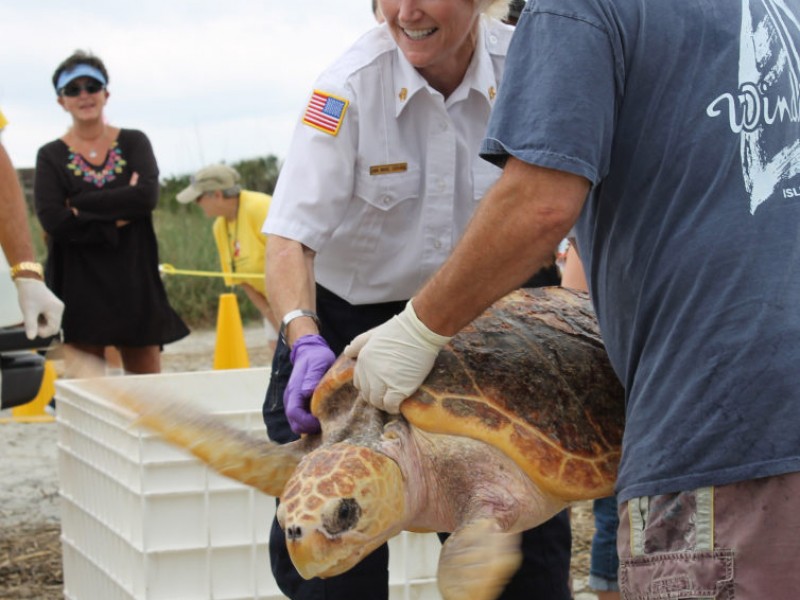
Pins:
x: 335, y: 393
x: 343, y: 414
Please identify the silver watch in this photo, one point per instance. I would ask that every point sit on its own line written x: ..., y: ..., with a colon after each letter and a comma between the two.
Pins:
x: 291, y: 316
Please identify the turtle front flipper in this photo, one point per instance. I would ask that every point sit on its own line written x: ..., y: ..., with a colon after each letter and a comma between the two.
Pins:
x: 256, y: 462
x: 477, y: 561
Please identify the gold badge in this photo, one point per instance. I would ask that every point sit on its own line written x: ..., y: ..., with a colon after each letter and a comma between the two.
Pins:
x: 492, y: 93
x: 390, y: 168
x: 403, y: 94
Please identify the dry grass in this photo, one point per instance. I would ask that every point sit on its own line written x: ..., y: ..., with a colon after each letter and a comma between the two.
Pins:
x: 30, y: 563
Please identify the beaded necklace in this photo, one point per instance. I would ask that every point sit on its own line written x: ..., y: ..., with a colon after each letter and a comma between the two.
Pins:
x: 99, y: 177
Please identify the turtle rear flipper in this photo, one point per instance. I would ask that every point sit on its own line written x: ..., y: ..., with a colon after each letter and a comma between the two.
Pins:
x: 477, y: 561
x: 252, y: 461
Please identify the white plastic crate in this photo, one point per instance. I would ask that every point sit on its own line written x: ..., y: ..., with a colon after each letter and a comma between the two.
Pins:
x: 144, y: 520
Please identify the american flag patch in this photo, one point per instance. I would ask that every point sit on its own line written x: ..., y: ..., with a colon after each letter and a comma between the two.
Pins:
x: 325, y: 112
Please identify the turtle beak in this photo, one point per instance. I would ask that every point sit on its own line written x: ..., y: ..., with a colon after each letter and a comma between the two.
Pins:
x: 316, y: 555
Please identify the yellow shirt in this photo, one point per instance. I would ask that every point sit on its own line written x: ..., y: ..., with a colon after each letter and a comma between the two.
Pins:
x: 240, y: 242
x: 3, y: 121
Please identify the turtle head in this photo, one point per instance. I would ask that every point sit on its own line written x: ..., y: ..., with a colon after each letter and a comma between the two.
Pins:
x: 341, y: 503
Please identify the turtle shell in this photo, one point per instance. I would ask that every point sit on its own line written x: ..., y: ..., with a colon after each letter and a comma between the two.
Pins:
x: 532, y: 378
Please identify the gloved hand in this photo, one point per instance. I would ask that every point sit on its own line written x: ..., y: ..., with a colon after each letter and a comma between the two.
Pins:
x: 394, y: 359
x: 41, y: 309
x: 311, y: 358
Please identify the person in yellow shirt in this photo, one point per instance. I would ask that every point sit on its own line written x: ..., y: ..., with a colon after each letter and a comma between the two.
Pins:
x: 237, y: 231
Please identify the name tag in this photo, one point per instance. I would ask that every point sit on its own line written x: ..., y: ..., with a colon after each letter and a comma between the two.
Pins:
x: 386, y: 169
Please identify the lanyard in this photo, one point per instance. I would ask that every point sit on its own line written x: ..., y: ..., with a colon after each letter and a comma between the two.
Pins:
x: 233, y: 249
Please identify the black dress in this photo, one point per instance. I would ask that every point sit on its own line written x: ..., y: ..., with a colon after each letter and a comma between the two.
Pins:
x: 107, y: 276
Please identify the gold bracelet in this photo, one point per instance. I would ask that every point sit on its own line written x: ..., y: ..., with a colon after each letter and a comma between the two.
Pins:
x: 33, y: 267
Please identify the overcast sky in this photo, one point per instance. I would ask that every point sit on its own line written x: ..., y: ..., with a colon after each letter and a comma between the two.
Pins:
x: 206, y: 81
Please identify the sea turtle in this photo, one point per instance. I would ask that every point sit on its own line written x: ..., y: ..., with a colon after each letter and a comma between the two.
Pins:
x: 521, y: 415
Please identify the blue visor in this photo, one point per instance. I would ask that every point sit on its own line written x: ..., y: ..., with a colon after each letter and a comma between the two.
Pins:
x: 81, y: 70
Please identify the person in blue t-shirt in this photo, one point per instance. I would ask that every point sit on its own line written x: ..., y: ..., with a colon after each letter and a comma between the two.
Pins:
x: 667, y: 134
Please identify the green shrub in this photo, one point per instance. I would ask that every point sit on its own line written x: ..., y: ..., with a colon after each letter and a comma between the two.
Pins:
x: 185, y: 241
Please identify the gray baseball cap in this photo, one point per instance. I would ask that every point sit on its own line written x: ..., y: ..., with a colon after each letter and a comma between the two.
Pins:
x: 209, y: 179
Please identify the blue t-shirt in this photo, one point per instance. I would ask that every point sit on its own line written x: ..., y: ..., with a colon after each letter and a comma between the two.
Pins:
x: 685, y: 117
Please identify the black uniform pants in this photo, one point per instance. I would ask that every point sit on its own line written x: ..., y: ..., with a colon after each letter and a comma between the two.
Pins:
x: 544, y: 574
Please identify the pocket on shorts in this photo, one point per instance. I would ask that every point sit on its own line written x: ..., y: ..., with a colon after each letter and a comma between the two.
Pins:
x: 680, y: 575
x: 279, y: 378
x: 272, y: 411
x: 670, y: 553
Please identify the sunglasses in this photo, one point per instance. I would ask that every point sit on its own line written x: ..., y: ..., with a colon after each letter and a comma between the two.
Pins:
x: 74, y: 89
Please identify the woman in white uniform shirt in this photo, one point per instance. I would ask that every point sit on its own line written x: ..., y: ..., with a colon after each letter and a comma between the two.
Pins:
x: 381, y: 178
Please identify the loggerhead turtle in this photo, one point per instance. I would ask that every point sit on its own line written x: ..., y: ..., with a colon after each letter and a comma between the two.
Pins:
x: 521, y: 415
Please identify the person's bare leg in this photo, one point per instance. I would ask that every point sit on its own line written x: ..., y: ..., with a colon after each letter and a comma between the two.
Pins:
x: 141, y: 360
x: 83, y: 360
x: 113, y: 361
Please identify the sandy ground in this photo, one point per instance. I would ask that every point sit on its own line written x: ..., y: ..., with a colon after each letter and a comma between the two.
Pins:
x: 30, y: 564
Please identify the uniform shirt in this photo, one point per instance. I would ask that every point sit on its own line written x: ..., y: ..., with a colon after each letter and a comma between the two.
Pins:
x: 683, y: 115
x: 384, y: 200
x: 241, y: 243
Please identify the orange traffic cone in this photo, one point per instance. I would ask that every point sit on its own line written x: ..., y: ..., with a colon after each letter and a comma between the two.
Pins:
x: 35, y: 409
x: 230, y: 351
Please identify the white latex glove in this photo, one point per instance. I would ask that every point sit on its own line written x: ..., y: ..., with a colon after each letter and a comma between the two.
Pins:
x: 394, y: 359
x: 41, y: 309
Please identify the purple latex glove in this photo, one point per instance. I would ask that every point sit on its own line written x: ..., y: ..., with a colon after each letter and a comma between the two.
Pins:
x: 311, y: 358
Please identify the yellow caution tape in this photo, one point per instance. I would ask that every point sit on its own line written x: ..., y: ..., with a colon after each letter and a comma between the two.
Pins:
x: 168, y: 269
x: 40, y: 419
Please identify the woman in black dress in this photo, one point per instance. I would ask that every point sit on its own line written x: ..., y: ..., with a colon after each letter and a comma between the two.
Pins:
x: 95, y: 189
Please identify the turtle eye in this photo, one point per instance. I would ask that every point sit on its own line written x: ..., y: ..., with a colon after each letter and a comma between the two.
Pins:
x: 343, y: 517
